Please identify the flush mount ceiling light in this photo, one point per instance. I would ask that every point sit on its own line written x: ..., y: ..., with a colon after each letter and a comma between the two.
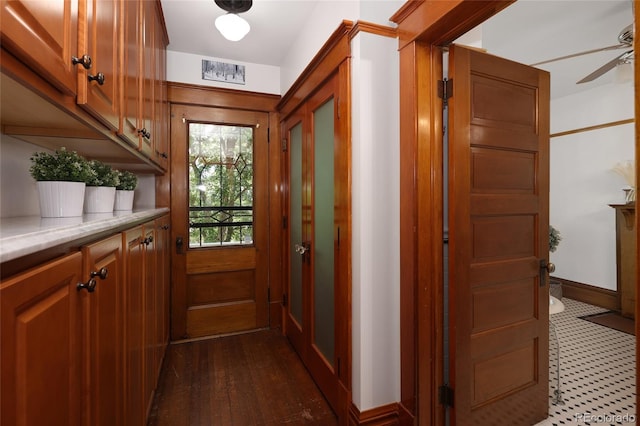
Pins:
x: 231, y: 25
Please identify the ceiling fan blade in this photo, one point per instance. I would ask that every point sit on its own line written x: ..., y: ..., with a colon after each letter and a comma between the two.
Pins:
x: 586, y: 52
x: 605, y: 68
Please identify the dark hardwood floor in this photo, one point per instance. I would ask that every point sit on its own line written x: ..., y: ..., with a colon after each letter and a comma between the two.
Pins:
x: 247, y: 379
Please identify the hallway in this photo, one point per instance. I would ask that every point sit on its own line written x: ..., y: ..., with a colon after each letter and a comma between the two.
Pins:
x: 248, y: 379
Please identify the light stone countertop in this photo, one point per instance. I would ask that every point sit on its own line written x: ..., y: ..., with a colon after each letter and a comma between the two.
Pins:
x: 21, y: 236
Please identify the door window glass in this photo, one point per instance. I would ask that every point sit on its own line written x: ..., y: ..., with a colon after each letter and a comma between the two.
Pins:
x: 220, y: 185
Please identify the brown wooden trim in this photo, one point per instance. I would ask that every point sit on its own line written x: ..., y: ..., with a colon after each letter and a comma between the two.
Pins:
x: 371, y: 28
x: 439, y: 22
x: 590, y: 128
x: 379, y: 416
x: 191, y: 94
x: 605, y: 298
x: 333, y: 52
x: 636, y: 46
x: 276, y: 283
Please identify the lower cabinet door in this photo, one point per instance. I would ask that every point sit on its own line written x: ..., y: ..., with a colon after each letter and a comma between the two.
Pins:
x: 41, y: 345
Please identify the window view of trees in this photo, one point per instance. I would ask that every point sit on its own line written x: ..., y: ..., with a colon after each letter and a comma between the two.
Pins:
x: 220, y: 185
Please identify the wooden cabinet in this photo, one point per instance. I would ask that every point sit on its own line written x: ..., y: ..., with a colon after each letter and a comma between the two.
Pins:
x: 144, y: 114
x: 83, y: 336
x: 107, y: 60
x: 133, y: 241
x: 42, y: 358
x: 43, y: 34
x: 103, y: 333
x: 98, y: 86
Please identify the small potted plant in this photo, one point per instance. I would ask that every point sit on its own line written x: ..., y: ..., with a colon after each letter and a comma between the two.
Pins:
x: 100, y: 193
x: 61, y: 178
x: 555, y: 286
x: 125, y: 190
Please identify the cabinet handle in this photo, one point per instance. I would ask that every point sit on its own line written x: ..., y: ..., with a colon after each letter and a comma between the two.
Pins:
x: 98, y: 77
x: 147, y: 241
x: 164, y: 227
x: 90, y: 286
x: 164, y: 155
x: 84, y: 60
x: 145, y: 133
x: 102, y: 273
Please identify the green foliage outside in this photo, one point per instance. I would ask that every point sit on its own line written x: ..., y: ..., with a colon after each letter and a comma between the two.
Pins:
x: 220, y: 175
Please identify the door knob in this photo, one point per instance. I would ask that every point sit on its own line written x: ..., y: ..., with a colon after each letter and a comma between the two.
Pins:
x: 301, y: 249
x: 551, y: 268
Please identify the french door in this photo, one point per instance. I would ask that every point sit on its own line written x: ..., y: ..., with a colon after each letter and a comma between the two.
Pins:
x: 313, y: 253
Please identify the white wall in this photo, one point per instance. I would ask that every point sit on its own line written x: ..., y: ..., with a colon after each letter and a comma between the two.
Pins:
x: 583, y: 184
x: 18, y: 190
x: 187, y: 68
x: 375, y: 221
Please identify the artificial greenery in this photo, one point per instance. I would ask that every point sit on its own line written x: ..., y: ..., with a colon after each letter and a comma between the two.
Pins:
x: 127, y: 181
x: 62, y: 165
x: 103, y: 174
x: 554, y: 238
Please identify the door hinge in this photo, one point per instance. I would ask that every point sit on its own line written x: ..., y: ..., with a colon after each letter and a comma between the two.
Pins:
x: 269, y: 294
x: 284, y: 222
x: 284, y: 299
x: 445, y: 89
x: 268, y: 134
x: 445, y: 395
x: 284, y: 144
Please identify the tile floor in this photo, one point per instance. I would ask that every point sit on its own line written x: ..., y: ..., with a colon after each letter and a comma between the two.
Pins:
x: 597, y: 371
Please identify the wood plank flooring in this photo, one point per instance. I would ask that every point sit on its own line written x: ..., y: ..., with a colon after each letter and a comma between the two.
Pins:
x: 248, y: 379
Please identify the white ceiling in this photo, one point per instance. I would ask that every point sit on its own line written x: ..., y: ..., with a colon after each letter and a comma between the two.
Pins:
x: 528, y: 31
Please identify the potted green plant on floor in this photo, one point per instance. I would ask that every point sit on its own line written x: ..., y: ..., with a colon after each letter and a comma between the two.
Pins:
x: 555, y: 287
x: 61, y: 178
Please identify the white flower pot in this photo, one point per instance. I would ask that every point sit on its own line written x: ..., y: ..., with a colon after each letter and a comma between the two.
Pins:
x: 61, y: 199
x: 124, y: 200
x: 99, y: 199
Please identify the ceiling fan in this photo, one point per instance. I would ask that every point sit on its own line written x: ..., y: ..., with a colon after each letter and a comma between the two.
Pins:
x: 625, y: 39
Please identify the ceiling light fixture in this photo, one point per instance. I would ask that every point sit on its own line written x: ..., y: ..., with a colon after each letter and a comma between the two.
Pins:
x: 231, y: 25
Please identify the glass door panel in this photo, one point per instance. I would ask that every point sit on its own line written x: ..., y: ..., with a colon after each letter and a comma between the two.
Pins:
x: 295, y: 215
x: 323, y: 235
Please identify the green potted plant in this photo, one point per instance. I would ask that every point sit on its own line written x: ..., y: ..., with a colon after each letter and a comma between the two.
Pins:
x: 61, y: 178
x: 125, y: 190
x: 100, y: 193
x: 555, y: 287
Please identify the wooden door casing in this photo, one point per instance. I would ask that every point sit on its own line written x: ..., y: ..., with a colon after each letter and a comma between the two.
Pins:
x: 498, y: 237
x: 219, y: 289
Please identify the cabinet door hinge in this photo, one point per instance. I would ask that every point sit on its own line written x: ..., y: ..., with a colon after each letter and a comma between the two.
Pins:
x: 284, y: 299
x: 445, y: 395
x: 445, y: 89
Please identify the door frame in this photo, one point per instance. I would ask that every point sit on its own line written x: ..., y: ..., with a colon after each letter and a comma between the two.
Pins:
x: 195, y: 95
x: 422, y: 27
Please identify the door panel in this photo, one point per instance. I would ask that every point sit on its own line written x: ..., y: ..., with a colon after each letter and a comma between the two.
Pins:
x: 313, y: 245
x: 498, y: 215
x: 219, y: 208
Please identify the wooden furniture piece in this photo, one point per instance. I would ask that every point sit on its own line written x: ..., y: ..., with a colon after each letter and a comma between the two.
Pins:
x: 626, y: 256
x: 84, y: 335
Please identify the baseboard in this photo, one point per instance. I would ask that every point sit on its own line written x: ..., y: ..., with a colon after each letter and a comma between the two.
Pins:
x: 385, y: 415
x: 608, y: 299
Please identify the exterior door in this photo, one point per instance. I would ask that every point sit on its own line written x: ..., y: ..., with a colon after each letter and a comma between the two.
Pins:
x: 219, y: 202
x: 498, y: 236
x: 312, y: 249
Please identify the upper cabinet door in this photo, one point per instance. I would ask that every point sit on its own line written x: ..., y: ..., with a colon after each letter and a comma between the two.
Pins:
x: 43, y: 34
x: 99, y: 40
